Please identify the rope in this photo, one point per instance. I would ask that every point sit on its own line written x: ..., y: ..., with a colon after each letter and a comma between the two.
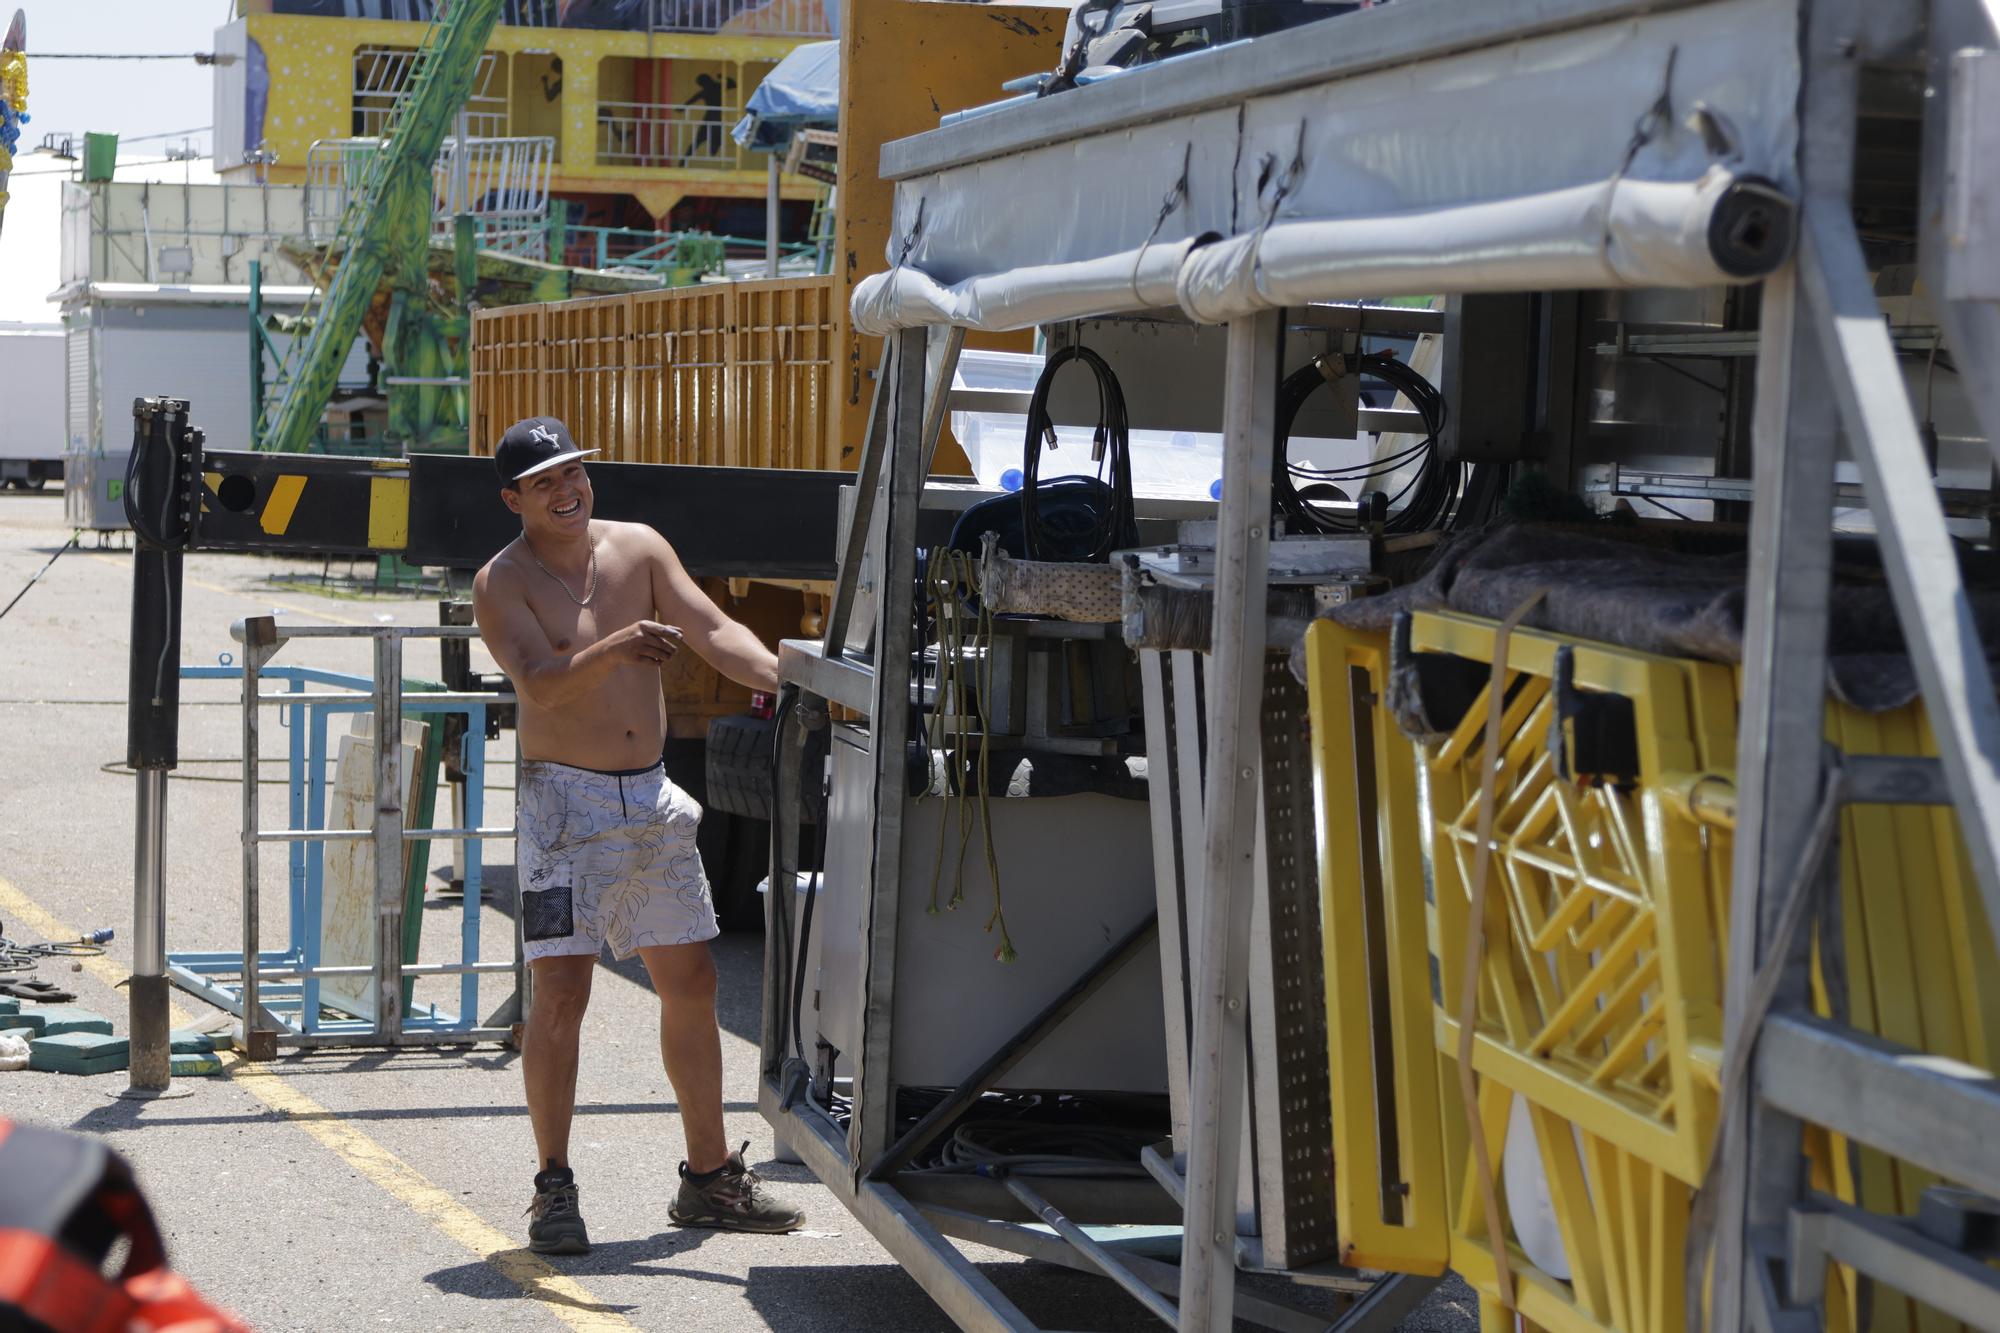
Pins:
x: 1800, y: 895
x: 949, y: 578
x: 1475, y: 946
x: 74, y: 538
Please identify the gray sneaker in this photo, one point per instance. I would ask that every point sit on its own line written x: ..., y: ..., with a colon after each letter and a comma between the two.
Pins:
x: 556, y: 1226
x: 735, y: 1199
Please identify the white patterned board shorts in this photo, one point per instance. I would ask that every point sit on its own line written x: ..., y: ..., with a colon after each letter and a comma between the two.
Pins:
x: 607, y: 858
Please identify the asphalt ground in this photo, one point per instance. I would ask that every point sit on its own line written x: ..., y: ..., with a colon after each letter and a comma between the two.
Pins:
x: 352, y: 1189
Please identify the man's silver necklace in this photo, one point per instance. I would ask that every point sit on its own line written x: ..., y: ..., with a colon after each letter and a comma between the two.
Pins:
x: 589, y: 579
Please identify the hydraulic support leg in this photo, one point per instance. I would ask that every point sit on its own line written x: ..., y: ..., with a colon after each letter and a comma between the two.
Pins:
x: 164, y: 453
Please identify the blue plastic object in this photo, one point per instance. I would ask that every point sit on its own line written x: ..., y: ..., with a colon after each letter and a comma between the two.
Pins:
x: 1011, y: 479
x: 1215, y: 489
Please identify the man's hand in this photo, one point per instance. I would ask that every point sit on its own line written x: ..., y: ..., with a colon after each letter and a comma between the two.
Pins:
x: 647, y: 642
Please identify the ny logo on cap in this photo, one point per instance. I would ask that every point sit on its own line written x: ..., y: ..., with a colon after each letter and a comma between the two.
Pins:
x: 544, y: 433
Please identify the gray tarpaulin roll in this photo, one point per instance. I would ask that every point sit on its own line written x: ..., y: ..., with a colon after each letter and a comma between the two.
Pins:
x: 1625, y: 233
x: 1719, y: 228
x: 903, y: 298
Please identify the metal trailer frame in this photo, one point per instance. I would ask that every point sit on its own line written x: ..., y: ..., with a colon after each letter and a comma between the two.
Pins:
x: 1826, y: 370
x: 263, y: 1032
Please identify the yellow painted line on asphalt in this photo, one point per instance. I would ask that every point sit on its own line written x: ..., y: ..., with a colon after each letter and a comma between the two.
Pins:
x: 565, y: 1298
x: 206, y: 586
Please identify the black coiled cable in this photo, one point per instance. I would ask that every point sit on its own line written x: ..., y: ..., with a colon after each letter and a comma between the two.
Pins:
x: 1430, y: 494
x: 1099, y: 511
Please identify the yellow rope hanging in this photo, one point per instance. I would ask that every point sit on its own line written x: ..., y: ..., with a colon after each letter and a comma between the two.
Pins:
x: 949, y: 576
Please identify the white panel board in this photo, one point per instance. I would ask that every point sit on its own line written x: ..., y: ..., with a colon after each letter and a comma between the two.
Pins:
x: 347, y: 897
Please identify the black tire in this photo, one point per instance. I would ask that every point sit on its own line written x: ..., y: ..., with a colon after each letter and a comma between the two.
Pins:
x: 742, y: 769
x: 742, y: 765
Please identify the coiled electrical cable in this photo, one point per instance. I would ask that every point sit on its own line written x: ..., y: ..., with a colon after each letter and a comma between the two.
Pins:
x: 1097, y: 524
x: 1426, y: 499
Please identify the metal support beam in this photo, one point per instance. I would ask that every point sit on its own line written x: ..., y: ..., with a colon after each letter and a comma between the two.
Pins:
x: 1017, y: 1047
x: 1918, y: 555
x: 1161, y: 1277
x: 771, y: 216
x: 387, y: 831
x: 1779, y: 737
x: 889, y: 734
x: 966, y: 1295
x: 1936, y: 1113
x: 1100, y: 1258
x: 867, y: 481
x: 940, y: 368
x: 1890, y: 1251
x: 1219, y: 1064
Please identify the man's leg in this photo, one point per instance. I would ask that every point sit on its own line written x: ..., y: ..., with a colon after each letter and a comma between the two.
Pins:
x: 548, y: 1053
x: 690, y: 1046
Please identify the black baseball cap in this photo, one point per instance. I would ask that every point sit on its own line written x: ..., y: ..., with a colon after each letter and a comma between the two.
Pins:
x: 534, y: 445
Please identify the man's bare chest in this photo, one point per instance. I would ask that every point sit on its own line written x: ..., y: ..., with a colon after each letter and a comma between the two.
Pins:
x: 617, y: 601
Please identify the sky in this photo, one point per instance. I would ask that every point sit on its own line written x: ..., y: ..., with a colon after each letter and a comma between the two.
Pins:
x: 135, y: 99
x: 129, y: 98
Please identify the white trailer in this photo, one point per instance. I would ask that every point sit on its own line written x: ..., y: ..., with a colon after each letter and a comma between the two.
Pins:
x: 31, y: 432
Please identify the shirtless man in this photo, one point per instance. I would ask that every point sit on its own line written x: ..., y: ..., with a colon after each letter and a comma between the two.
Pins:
x: 581, y: 615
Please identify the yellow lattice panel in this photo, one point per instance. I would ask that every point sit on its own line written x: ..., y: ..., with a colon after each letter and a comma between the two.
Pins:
x: 1392, y: 1134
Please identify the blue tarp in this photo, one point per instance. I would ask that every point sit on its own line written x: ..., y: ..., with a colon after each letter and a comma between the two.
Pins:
x: 801, y: 92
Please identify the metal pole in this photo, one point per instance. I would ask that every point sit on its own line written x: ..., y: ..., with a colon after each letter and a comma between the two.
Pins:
x: 889, y: 731
x: 257, y: 1042
x: 1100, y: 1257
x: 1219, y: 1000
x: 461, y: 165
x: 387, y: 835
x: 163, y: 443
x: 256, y: 354
x: 1781, y: 730
x: 771, y: 217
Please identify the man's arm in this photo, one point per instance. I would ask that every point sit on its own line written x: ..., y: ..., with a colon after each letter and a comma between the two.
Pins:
x: 543, y: 676
x: 723, y: 643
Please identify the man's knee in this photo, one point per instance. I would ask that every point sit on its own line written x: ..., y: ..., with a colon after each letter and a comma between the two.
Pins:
x: 684, y: 973
x: 561, y: 994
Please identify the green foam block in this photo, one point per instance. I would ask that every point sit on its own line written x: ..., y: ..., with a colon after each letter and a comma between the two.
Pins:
x: 9, y: 1005
x: 186, y: 1041
x: 77, y: 1053
x: 61, y: 1018
x: 30, y: 1023
x: 194, y: 1066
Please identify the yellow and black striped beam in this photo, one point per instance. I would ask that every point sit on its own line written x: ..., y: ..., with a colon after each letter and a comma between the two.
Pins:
x: 445, y: 510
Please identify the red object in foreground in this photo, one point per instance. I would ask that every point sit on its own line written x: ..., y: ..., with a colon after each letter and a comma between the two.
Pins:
x: 763, y: 705
x: 64, y: 1201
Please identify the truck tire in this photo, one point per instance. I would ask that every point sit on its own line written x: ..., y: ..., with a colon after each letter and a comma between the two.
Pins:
x: 742, y: 765
x: 742, y: 769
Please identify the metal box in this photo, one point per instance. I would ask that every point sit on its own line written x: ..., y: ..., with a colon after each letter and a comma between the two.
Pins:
x: 1076, y: 873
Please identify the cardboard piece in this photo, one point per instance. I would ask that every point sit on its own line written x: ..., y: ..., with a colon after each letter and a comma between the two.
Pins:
x: 348, y: 906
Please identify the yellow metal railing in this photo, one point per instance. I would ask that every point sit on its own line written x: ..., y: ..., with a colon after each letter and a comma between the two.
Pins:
x: 1598, y: 1027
